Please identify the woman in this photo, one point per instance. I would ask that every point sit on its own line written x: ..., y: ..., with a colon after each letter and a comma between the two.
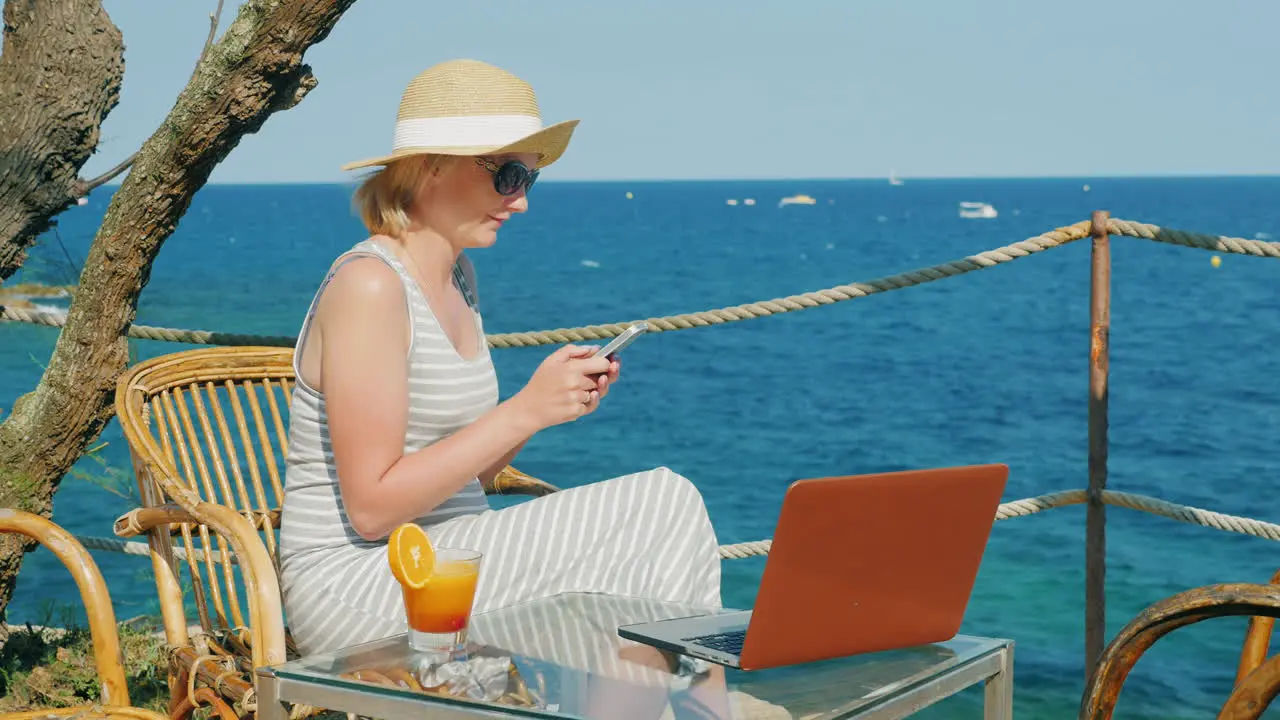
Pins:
x: 396, y: 415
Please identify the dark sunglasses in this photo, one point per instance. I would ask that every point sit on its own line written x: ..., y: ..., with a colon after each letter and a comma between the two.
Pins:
x: 511, y: 177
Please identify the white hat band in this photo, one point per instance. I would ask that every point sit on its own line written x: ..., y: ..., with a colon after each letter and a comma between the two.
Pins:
x: 464, y: 131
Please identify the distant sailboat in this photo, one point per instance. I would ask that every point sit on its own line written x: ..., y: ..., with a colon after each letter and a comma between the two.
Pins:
x: 797, y: 200
x: 894, y: 179
x: 977, y: 210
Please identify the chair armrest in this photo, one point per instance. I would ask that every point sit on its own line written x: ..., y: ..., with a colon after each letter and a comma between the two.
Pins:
x: 510, y: 481
x: 1257, y: 640
x: 93, y: 593
x: 1185, y: 608
x: 262, y: 585
x: 140, y: 521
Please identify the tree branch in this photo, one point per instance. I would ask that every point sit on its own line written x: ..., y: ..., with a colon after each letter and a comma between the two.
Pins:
x: 255, y: 70
x: 87, y: 186
x: 84, y: 187
x: 208, y: 42
x: 60, y: 74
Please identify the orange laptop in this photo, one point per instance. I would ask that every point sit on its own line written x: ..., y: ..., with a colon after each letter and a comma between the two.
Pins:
x: 858, y: 564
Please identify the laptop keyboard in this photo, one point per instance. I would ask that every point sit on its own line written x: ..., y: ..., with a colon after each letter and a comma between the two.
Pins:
x: 726, y: 642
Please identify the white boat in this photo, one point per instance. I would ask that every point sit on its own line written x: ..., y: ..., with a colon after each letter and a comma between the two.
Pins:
x: 894, y: 179
x: 977, y: 210
x: 797, y: 200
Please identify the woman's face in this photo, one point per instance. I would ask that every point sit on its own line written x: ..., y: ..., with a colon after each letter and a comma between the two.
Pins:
x: 463, y: 206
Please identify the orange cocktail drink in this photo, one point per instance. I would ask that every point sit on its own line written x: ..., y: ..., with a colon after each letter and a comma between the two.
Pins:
x: 443, y: 604
x: 439, y: 588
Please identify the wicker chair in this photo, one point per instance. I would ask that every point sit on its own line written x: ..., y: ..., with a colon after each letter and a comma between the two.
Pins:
x: 102, y: 622
x: 1257, y: 677
x: 207, y: 432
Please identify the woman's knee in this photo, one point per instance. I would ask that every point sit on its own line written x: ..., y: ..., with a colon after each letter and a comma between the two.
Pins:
x: 673, y: 483
x: 680, y: 489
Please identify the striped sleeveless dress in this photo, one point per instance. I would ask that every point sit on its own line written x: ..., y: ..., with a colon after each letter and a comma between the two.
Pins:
x: 645, y: 535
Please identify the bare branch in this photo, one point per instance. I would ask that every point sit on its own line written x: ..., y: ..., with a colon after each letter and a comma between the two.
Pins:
x: 208, y: 43
x: 86, y: 186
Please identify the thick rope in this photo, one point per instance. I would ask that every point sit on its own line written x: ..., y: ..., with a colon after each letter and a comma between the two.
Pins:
x: 1143, y: 503
x: 1014, y: 509
x: 147, y: 332
x: 737, y: 551
x: 1031, y: 506
x: 134, y: 547
x: 1052, y: 239
x: 1132, y: 501
x: 1216, y: 243
x: 117, y: 545
x: 1194, y: 516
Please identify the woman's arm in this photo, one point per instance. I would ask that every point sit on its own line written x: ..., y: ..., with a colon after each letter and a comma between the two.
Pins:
x: 363, y: 323
x: 363, y: 372
x: 492, y: 471
x: 603, y: 383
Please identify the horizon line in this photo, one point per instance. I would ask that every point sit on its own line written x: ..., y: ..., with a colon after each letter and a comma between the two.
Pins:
x: 817, y: 179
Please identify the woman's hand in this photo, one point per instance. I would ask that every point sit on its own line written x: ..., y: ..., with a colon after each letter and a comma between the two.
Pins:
x: 603, y: 382
x: 564, y: 387
x: 606, y: 380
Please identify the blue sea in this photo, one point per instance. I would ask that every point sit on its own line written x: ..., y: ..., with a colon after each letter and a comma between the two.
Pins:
x: 991, y: 366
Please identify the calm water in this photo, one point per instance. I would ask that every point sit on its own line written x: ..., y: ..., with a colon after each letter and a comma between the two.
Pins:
x: 988, y: 367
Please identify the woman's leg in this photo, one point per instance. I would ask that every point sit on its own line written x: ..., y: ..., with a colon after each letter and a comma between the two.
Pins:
x: 643, y: 535
x: 640, y: 535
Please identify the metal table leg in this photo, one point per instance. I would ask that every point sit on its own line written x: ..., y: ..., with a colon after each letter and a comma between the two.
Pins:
x: 998, y: 691
x: 267, y: 688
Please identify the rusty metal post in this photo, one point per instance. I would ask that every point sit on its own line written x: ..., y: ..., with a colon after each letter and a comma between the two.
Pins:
x: 1095, y: 559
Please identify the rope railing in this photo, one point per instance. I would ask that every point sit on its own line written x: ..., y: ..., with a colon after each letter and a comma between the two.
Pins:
x: 1065, y: 498
x: 1006, y: 511
x: 764, y: 308
x: 1099, y: 227
x: 1052, y: 239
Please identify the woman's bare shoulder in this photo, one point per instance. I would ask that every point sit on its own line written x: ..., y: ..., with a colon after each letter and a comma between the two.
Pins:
x: 364, y: 282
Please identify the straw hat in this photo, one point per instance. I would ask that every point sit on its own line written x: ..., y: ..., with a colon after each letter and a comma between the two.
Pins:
x: 467, y: 107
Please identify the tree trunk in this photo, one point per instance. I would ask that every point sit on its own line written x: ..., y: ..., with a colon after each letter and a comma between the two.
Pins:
x: 255, y: 70
x: 60, y: 75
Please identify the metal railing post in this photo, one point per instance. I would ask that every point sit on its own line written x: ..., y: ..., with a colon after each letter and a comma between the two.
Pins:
x: 1095, y: 602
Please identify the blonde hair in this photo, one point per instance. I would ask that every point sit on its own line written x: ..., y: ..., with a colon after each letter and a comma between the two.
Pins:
x: 386, y: 197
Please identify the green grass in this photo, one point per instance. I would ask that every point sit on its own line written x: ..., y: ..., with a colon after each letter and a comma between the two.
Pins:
x: 52, y: 668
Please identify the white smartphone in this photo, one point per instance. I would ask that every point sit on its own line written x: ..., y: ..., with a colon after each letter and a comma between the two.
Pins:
x: 624, y: 339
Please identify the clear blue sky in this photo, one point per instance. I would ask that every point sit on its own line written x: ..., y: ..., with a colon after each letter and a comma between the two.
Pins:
x: 802, y: 88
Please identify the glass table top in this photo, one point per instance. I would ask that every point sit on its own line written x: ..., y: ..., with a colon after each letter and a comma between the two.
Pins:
x: 561, y: 657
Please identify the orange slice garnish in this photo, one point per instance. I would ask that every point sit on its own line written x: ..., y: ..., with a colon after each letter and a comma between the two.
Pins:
x: 411, y: 555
